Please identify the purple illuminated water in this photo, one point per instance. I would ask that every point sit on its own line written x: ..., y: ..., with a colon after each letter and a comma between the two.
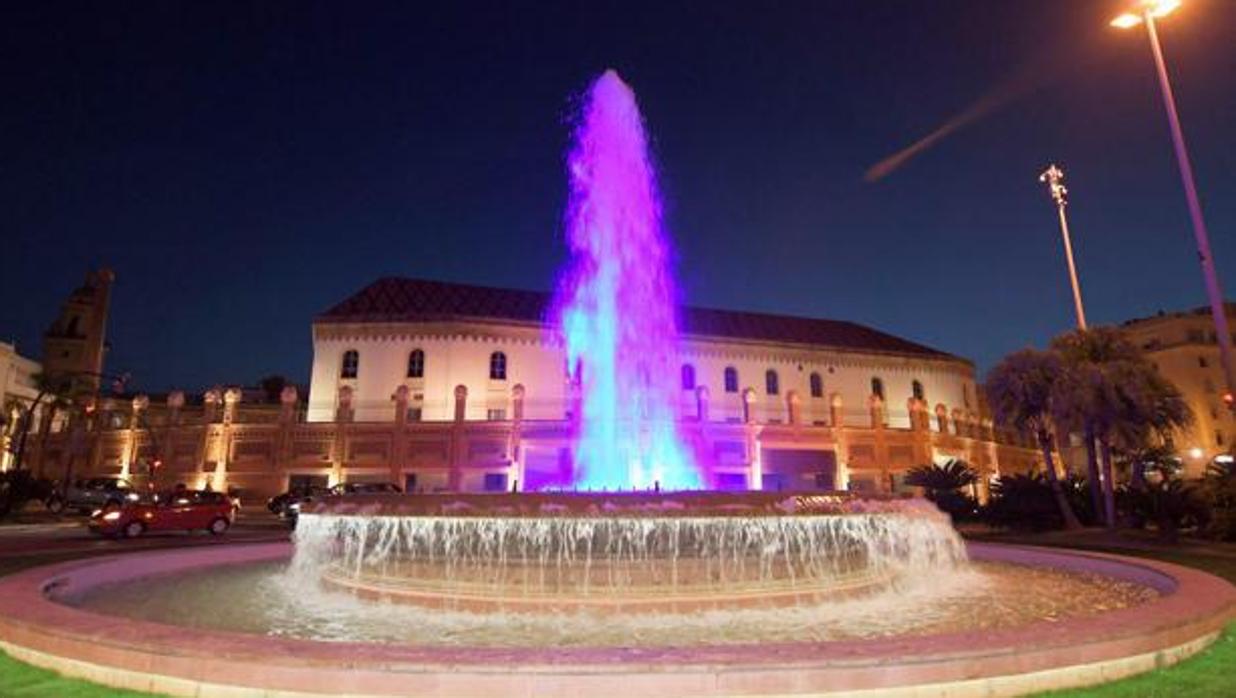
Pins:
x: 615, y: 304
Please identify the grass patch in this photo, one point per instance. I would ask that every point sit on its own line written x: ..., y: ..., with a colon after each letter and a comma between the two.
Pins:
x: 1208, y: 675
x: 20, y: 680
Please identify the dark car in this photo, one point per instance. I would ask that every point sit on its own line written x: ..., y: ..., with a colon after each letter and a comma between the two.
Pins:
x: 280, y: 503
x: 181, y: 510
x: 90, y: 494
x: 343, y: 489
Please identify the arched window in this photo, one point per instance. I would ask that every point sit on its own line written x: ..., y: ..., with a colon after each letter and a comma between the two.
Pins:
x: 416, y: 364
x: 688, y: 377
x: 917, y: 389
x: 731, y: 379
x: 877, y: 387
x: 351, y: 364
x: 817, y: 385
x: 772, y: 386
x: 497, y: 366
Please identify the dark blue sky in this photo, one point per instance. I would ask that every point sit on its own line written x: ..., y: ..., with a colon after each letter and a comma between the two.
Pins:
x: 244, y: 167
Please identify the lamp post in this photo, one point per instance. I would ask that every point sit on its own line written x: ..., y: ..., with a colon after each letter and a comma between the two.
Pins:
x: 1054, y: 177
x: 1146, y: 12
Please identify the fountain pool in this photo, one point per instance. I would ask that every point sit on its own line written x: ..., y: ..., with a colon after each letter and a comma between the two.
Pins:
x: 635, y: 571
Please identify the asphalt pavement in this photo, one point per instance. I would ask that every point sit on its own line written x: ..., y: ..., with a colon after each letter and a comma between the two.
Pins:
x: 38, y: 537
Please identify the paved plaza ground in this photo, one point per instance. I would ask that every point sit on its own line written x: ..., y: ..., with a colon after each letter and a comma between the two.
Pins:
x: 36, y: 538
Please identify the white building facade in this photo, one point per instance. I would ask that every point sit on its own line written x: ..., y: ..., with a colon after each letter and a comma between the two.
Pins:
x: 19, y: 388
x: 442, y: 352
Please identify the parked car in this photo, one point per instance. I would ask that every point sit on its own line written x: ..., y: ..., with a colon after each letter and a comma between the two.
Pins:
x: 280, y: 503
x: 342, y: 489
x: 181, y: 510
x: 89, y: 494
x: 345, y: 488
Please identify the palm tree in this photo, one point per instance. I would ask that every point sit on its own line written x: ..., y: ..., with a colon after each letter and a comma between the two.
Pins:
x: 953, y: 475
x: 1021, y: 391
x: 57, y: 392
x: 1155, y: 409
x: 1115, y: 397
x: 1071, y: 405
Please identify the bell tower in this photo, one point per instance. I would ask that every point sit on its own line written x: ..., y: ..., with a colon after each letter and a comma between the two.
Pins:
x: 74, y: 345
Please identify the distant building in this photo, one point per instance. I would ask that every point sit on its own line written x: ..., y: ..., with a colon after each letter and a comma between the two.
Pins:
x: 75, y: 344
x: 18, y: 389
x: 448, y: 387
x: 1185, y: 350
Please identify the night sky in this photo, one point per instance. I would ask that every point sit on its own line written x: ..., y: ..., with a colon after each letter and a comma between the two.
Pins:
x: 243, y: 166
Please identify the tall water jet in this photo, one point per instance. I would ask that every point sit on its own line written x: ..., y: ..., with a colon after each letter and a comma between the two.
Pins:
x: 616, y: 306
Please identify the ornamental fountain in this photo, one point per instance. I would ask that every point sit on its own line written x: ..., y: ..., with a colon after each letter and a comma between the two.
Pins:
x: 659, y: 590
x: 666, y: 549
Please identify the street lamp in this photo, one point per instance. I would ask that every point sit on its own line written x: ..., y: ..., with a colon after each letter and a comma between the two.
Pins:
x: 1146, y: 12
x: 1054, y: 177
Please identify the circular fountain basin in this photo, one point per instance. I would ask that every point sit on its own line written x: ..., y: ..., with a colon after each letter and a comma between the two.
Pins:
x: 623, y: 552
x: 37, y: 626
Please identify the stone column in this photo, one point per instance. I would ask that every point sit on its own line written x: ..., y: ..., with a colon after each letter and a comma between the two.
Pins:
x: 913, y: 412
x: 399, y: 444
x: 400, y: 400
x: 343, y: 406
x: 458, y: 439
x: 175, y: 405
x: 793, y: 408
x: 875, y: 407
x: 210, y: 405
x: 287, y: 404
x: 343, y: 416
x: 836, y: 413
x: 920, y: 426
x: 107, y: 410
x: 515, y: 449
x: 288, y: 398
x: 231, y: 398
x: 167, y: 445
x: 836, y: 422
x: 701, y: 404
x: 138, y: 405
x: 211, y: 400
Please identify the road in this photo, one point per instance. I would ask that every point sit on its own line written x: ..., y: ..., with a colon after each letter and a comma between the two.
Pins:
x: 46, y: 539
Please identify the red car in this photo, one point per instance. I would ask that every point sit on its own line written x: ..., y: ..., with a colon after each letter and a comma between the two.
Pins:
x: 183, y: 510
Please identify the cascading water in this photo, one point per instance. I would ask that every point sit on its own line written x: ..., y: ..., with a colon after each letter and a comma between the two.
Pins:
x: 615, y: 304
x: 662, y: 552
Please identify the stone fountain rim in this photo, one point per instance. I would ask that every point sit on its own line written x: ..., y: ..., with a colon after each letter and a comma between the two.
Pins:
x: 1193, y: 608
x: 616, y: 505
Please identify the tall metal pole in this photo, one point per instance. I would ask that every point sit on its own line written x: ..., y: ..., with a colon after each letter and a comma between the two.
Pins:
x: 1213, y: 290
x: 1054, y: 177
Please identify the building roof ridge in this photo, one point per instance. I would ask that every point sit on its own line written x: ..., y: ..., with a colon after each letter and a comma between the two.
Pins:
x: 403, y: 299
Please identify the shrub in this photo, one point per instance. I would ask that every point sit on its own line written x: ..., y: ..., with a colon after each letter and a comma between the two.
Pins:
x: 1023, y: 502
x: 20, y: 486
x: 1218, y: 491
x: 1077, y: 490
x: 1169, y: 504
x: 944, y: 485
